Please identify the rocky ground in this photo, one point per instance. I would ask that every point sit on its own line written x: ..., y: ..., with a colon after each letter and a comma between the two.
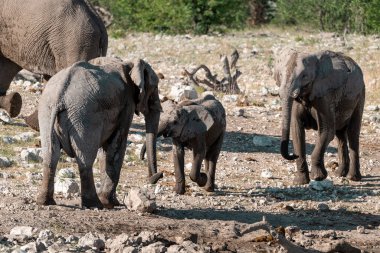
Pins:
x: 253, y: 180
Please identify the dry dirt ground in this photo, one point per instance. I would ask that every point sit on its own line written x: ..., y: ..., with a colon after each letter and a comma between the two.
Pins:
x: 244, y: 194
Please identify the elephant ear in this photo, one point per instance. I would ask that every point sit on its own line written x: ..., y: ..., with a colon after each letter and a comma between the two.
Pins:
x: 284, y: 62
x: 146, y: 80
x: 199, y: 121
x: 331, y: 73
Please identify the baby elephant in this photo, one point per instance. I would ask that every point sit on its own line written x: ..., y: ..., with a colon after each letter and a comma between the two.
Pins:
x: 198, y: 125
x: 88, y: 107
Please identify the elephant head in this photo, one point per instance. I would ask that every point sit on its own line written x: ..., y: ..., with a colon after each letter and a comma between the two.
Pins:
x: 148, y: 103
x: 305, y: 77
x: 184, y: 122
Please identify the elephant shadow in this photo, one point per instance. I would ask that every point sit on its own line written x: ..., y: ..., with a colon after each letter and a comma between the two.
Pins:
x: 342, y: 220
x: 239, y: 142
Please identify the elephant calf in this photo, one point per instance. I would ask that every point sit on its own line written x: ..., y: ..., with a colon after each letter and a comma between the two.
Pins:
x: 87, y: 107
x: 323, y: 91
x: 200, y: 126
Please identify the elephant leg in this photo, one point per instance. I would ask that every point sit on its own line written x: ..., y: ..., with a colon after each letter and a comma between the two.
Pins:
x: 111, y: 157
x: 326, y: 132
x: 12, y: 102
x: 212, y: 156
x: 299, y: 119
x: 344, y: 159
x: 50, y: 161
x: 85, y: 153
x: 178, y: 157
x: 353, y: 132
x: 199, y: 153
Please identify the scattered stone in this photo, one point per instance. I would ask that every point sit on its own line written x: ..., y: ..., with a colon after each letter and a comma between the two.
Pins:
x: 292, y: 230
x: 140, y: 200
x: 323, y: 185
x: 4, y: 162
x: 66, y: 173
x: 181, y: 92
x: 262, y: 141
x: 25, y: 137
x: 46, y: 235
x: 33, y: 247
x: 31, y: 155
x: 230, y: 98
x: 23, y: 230
x: 157, y: 247
x: 5, y: 117
x: 239, y: 112
x: 34, y: 176
x: 373, y: 108
x: 119, y: 243
x: 147, y: 237
x: 266, y: 174
x: 331, y: 234
x: 323, y: 207
x: 176, y: 249
x: 66, y: 186
x: 8, y: 139
x: 361, y: 229
x: 264, y: 91
x: 92, y: 241
x: 72, y: 239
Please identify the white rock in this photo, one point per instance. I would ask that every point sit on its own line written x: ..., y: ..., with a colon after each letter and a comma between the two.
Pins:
x: 23, y: 230
x: 157, y: 247
x: 321, y: 185
x: 176, y: 249
x: 66, y: 173
x: 46, y: 235
x: 140, y: 200
x: 26, y: 84
x: 180, y: 92
x: 361, y: 229
x: 266, y: 174
x: 66, y: 186
x: 8, y: 139
x: 24, y: 137
x: 5, y: 117
x: 4, y: 162
x: 262, y: 141
x: 190, y: 93
x: 33, y: 247
x: 31, y: 155
x: 372, y: 108
x: 119, y: 243
x: 230, y: 98
x: 71, y: 239
x: 264, y: 91
x: 91, y: 241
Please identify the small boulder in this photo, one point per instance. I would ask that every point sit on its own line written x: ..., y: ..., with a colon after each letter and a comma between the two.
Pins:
x: 140, y: 200
x: 323, y: 185
x: 323, y: 207
x: 31, y: 155
x: 157, y: 247
x: 4, y: 162
x: 92, y: 241
x: 66, y: 186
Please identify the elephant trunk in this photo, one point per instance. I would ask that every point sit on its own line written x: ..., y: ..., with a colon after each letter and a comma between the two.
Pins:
x: 287, y: 102
x: 151, y: 126
x: 161, y: 129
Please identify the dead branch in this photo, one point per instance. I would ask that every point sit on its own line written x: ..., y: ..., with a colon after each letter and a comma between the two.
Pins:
x: 339, y: 246
x: 227, y: 84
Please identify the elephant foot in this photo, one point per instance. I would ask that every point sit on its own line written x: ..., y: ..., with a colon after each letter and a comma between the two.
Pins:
x: 180, y: 188
x: 154, y: 179
x: 92, y: 202
x: 301, y: 178
x: 209, y: 187
x: 11, y: 103
x: 201, y: 180
x: 318, y: 174
x: 356, y: 176
x: 32, y: 121
x: 341, y: 171
x: 42, y: 200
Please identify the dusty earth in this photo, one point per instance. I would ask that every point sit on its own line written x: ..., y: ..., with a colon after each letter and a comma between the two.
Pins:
x: 253, y: 180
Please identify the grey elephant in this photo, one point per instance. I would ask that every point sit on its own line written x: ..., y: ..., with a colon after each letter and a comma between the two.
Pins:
x: 323, y: 91
x: 88, y: 107
x: 199, y: 125
x: 44, y: 37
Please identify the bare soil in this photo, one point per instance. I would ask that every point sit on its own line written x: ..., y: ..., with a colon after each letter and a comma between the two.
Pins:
x: 243, y: 194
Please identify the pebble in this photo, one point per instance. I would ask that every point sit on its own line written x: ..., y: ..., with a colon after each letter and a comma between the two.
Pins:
x: 323, y: 207
x: 360, y: 229
x: 4, y: 162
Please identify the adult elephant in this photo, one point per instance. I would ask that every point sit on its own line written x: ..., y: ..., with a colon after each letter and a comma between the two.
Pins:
x: 86, y: 107
x: 323, y: 91
x: 44, y: 37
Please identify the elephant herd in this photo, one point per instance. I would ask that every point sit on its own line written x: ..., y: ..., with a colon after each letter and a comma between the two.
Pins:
x: 89, y: 101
